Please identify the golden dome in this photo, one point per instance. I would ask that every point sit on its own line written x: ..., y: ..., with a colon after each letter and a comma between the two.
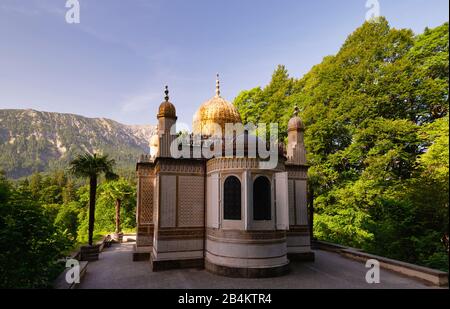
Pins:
x: 214, y: 113
x: 167, y: 109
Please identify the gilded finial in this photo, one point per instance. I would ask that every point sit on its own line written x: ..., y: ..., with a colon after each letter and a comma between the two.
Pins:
x: 217, y: 86
x: 167, y: 94
x: 296, y: 110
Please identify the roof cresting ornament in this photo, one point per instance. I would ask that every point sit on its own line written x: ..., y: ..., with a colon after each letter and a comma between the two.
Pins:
x: 217, y: 86
x: 166, y: 91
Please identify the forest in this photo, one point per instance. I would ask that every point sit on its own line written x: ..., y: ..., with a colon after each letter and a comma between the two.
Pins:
x: 44, y: 217
x: 376, y: 117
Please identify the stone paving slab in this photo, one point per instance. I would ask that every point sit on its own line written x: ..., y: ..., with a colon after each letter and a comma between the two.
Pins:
x: 116, y: 270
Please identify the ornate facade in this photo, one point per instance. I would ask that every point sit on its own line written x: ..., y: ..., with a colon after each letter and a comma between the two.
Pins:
x: 227, y: 213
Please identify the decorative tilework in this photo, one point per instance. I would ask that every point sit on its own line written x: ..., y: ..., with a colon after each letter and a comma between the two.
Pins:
x: 146, y: 200
x: 301, y: 202
x: 291, y: 202
x: 190, y: 201
x: 168, y: 201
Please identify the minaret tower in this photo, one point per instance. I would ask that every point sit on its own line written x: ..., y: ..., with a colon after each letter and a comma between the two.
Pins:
x: 299, y: 235
x: 296, y: 152
x: 166, y: 119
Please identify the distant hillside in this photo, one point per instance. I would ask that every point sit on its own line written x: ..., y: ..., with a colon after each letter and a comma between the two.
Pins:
x: 39, y: 141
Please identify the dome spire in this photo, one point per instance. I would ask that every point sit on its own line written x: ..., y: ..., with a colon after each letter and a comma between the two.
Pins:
x: 296, y: 110
x: 217, y: 86
x: 166, y: 91
x: 166, y: 109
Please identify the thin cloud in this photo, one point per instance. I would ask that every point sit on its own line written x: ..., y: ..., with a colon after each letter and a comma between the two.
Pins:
x: 139, y: 102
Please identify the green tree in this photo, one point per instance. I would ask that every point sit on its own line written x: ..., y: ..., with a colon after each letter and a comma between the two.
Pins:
x: 30, y: 244
x: 118, y: 190
x: 67, y: 219
x: 376, y: 117
x: 69, y: 192
x: 36, y: 185
x: 264, y: 105
x: 434, y: 163
x: 5, y: 187
x: 91, y: 167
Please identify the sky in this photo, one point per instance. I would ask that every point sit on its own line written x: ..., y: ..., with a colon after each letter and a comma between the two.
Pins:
x: 117, y: 60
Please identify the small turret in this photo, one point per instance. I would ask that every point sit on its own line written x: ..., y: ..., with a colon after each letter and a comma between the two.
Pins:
x: 167, y: 118
x: 296, y: 152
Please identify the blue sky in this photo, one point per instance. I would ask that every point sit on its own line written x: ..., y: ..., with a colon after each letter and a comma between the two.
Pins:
x: 115, y: 63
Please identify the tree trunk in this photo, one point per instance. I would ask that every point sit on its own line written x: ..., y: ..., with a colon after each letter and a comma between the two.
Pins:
x: 92, y: 197
x: 118, y: 202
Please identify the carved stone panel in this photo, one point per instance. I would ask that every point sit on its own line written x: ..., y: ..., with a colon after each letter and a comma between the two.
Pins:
x: 145, y: 200
x: 301, y: 202
x: 291, y: 202
x: 190, y: 201
x: 167, y: 207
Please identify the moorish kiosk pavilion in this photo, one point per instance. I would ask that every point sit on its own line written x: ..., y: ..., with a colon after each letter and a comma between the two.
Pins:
x: 228, y: 214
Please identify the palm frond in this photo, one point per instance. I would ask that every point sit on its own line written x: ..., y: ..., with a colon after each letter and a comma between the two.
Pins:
x: 88, y: 165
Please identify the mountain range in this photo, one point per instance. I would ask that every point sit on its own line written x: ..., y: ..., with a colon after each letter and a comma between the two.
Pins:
x: 34, y: 141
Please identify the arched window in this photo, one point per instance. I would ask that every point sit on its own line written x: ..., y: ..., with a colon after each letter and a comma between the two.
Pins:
x: 232, y: 199
x: 262, y: 199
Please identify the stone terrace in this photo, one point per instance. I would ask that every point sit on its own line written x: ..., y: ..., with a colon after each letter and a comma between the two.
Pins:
x: 116, y: 270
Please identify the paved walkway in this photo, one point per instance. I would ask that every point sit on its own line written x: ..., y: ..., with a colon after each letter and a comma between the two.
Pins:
x: 115, y: 269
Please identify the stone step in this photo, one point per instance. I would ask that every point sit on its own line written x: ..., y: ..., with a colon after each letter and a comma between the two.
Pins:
x: 61, y: 282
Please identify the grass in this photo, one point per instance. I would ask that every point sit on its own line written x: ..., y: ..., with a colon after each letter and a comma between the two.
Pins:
x: 98, y: 235
x: 84, y: 242
x: 129, y: 231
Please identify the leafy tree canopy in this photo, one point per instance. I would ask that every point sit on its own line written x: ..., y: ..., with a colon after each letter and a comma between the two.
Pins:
x: 376, y: 117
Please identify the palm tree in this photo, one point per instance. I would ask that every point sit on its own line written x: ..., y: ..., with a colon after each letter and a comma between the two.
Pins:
x: 92, y: 166
x: 118, y: 191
